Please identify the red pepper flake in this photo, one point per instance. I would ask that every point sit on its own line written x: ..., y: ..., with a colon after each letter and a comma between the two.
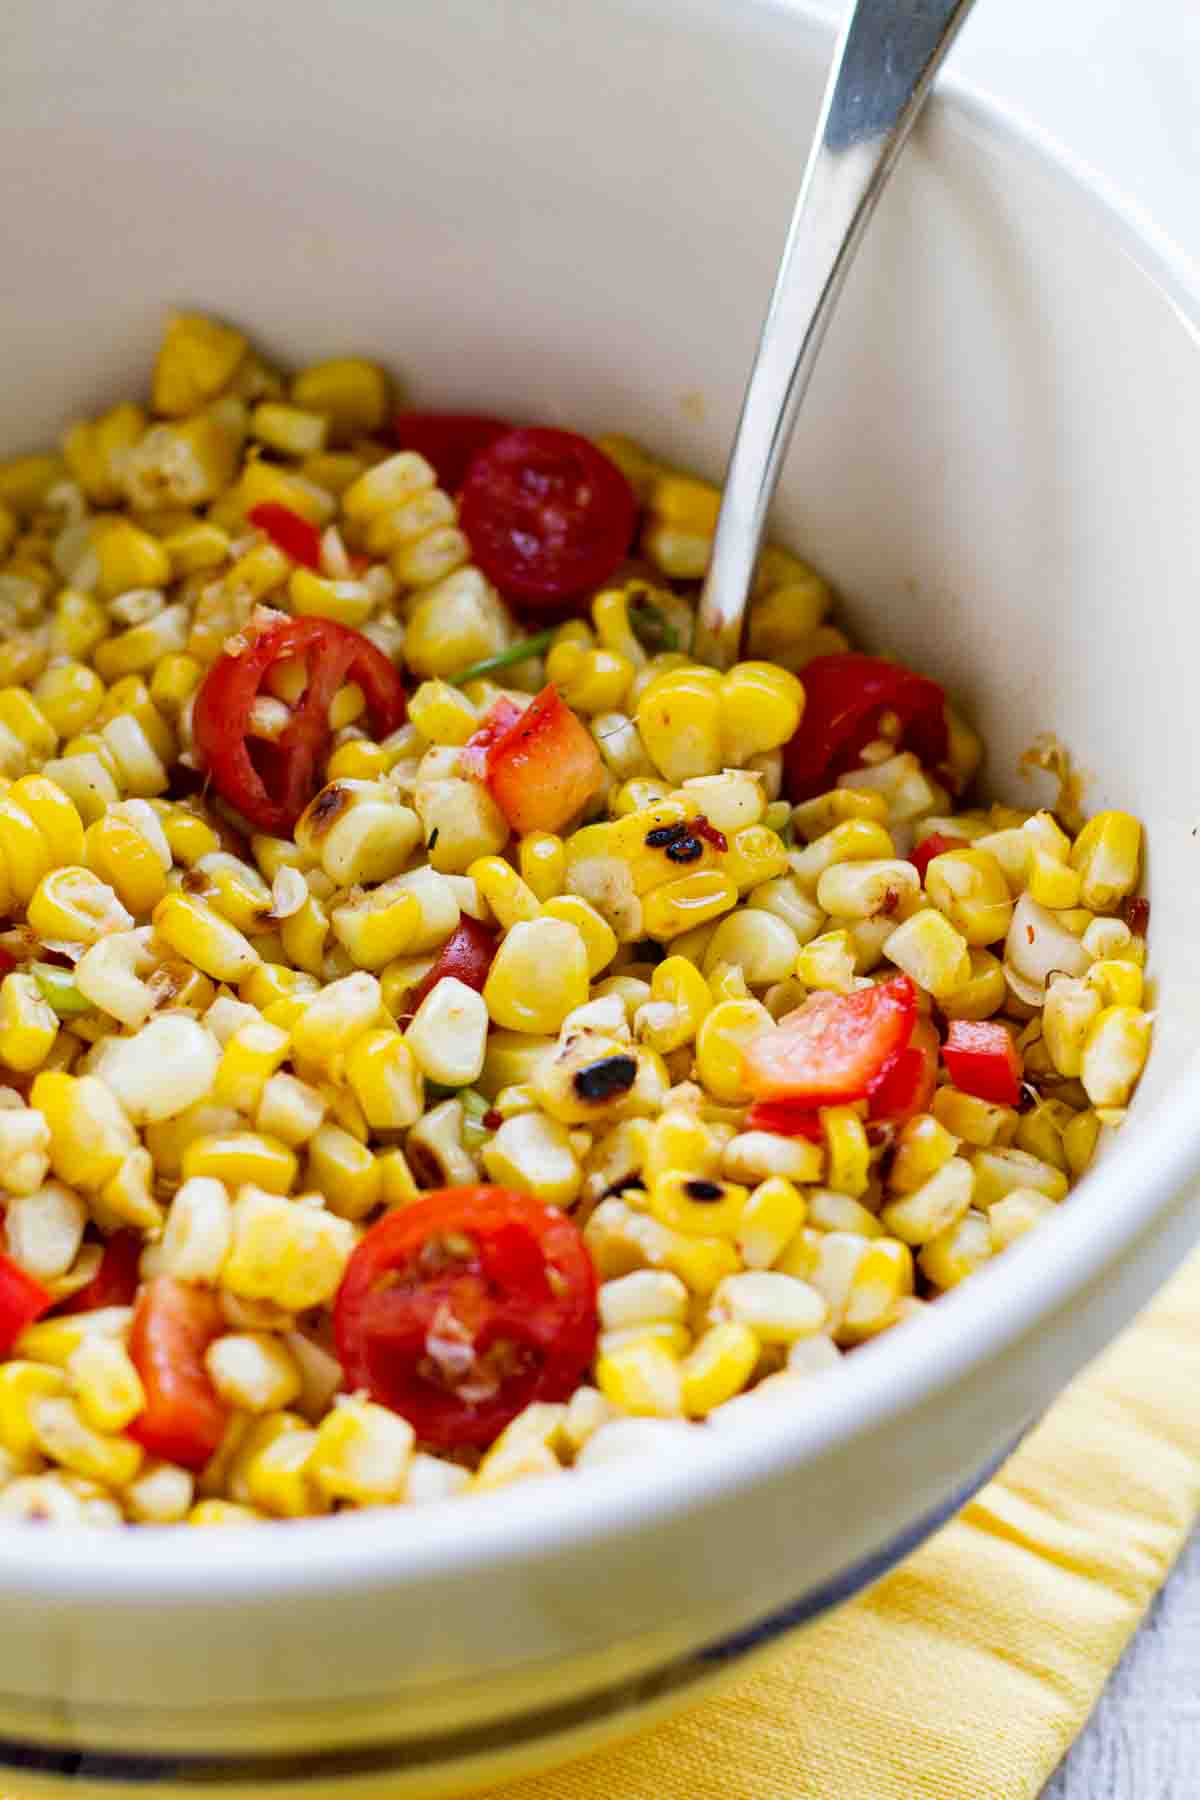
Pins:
x: 700, y: 827
x: 492, y: 1120
x: 1137, y: 916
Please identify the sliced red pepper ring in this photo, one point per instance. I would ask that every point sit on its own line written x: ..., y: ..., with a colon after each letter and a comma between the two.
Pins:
x: 272, y: 784
x: 981, y: 1059
x: 845, y: 698
x: 936, y: 844
x: 115, y: 1282
x: 173, y: 1324
x: 288, y: 532
x: 22, y: 1300
x: 467, y: 955
x: 461, y: 1309
x: 449, y: 442
x: 835, y: 1047
x: 543, y: 768
x: 548, y: 516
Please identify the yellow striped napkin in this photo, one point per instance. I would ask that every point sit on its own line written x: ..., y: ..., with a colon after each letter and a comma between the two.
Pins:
x: 969, y: 1671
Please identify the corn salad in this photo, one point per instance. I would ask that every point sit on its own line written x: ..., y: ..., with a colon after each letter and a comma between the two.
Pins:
x: 447, y: 1034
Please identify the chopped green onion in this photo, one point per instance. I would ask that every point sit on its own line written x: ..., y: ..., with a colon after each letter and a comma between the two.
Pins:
x: 475, y: 1109
x: 507, y: 659
x: 58, y: 989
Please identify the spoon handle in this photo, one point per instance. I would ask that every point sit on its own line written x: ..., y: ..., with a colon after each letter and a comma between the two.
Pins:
x: 886, y: 58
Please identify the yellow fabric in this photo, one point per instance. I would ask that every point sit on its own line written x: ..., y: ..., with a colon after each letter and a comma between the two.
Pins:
x: 966, y: 1674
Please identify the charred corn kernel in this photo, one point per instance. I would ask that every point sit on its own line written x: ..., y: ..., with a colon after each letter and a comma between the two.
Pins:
x: 1079, y: 1142
x: 350, y: 393
x: 830, y: 1210
x: 882, y: 1277
x: 293, y: 1252
x: 253, y: 1371
x: 1117, y: 983
x: 827, y: 962
x: 848, y: 1154
x: 385, y: 1078
x: 679, y: 718
x: 641, y: 1377
x: 777, y: 1308
x: 61, y: 1433
x: 90, y: 1134
x: 538, y: 976
x: 542, y: 862
x: 718, y: 1367
x: 107, y: 1388
x: 977, y: 1122
x: 28, y: 1027
x: 998, y: 1172
x: 362, y: 1454
x: 969, y: 888
x: 958, y: 1251
x: 720, y: 1043
x: 1016, y: 1214
x: 645, y: 1297
x: 771, y: 1217
x: 929, y: 950
x: 510, y: 898
x: 191, y: 927
x: 852, y: 841
x: 448, y: 1034
x: 442, y: 713
x: 1114, y: 1055
x: 344, y: 1170
x: 22, y: 1385
x: 679, y: 906
x: 761, y: 706
x: 697, y: 1205
x: 679, y: 1003
x: 533, y: 1154
x: 933, y: 1207
x: 340, y: 1013
x: 1107, y: 855
x: 923, y: 1146
x: 250, y: 1057
x: 238, y: 1158
x: 128, y: 558
x: 408, y: 914
x: 121, y: 855
x: 358, y: 832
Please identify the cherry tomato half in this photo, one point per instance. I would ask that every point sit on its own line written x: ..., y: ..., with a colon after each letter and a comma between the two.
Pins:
x: 466, y: 954
x: 835, y: 1047
x: 22, y: 1300
x: 545, y: 767
x: 844, y: 698
x: 173, y: 1325
x: 116, y: 1280
x: 548, y: 516
x: 449, y: 442
x: 462, y: 1308
x: 271, y: 783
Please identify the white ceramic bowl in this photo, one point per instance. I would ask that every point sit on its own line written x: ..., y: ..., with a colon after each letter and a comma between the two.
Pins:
x: 572, y: 213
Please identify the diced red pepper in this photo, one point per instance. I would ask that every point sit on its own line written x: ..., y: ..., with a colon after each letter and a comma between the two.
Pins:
x: 173, y: 1324
x: 981, y: 1059
x: 22, y: 1300
x: 845, y: 697
x: 835, y: 1047
x: 936, y: 844
x: 545, y: 767
x: 115, y: 1282
x: 498, y: 722
x: 288, y: 532
x: 908, y: 1086
x: 467, y: 955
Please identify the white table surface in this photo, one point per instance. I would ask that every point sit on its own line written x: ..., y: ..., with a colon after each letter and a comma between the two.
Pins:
x: 1117, y: 83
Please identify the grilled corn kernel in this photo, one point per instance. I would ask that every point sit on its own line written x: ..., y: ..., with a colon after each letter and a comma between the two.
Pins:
x: 197, y: 932
x: 958, y: 1251
x: 71, y: 903
x: 107, y: 1387
x: 533, y: 1153
x: 777, y: 1308
x: 723, y: 1037
x: 679, y: 717
x: 998, y: 1172
x: 827, y: 963
x: 771, y: 1217
x: 679, y: 906
x: 237, y: 1158
x: 1079, y: 1142
x: 448, y: 1035
x: 718, y: 1367
x: 358, y: 832
x: 293, y: 1252
x: 933, y: 1207
x: 90, y: 1134
x: 882, y: 1277
x: 1107, y: 854
x: 641, y: 1377
x: 61, y: 1433
x: 538, y: 976
x: 28, y: 1026
x: 929, y: 950
x: 969, y: 888
x: 1114, y: 1054
x: 923, y: 1146
x: 847, y: 1150
x: 697, y: 1205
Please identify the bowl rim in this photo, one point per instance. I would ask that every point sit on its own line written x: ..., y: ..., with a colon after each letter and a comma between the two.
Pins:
x: 1135, y: 1184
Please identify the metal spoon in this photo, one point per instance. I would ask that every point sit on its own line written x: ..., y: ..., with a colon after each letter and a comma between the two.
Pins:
x: 887, y: 55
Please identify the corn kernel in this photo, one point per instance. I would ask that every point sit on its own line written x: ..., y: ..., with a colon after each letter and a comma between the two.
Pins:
x: 1114, y: 1055
x: 957, y: 1251
x: 538, y: 976
x: 1107, y: 855
x: 936, y: 1206
x: 237, y: 1158
x: 642, y: 1378
x: 1018, y: 1213
x: 929, y: 950
x: 777, y: 1308
x: 63, y: 1434
x: 722, y: 1039
x: 106, y: 1385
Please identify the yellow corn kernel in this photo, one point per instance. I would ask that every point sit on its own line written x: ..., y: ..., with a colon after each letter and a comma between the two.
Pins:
x: 250, y: 1057
x: 720, y: 1043
x: 1107, y: 855
x: 23, y: 719
x: 26, y: 480
x: 929, y: 950
x: 590, y: 680
x: 223, y: 1512
x: 124, y: 857
x: 351, y: 393
x: 762, y: 945
x: 28, y: 1025
x: 198, y: 357
x: 62, y: 1433
x: 316, y: 597
x: 68, y: 696
x: 813, y: 818
x: 761, y: 706
x: 923, y: 1146
x: 240, y: 1158
x: 385, y: 1080
x: 852, y: 840
x: 1050, y: 881
x: 196, y: 547
x: 643, y: 1378
x: 506, y: 894
x: 1118, y: 983
x: 1040, y: 1131
x: 882, y: 1277
x: 679, y: 906
x: 274, y: 1471
x: 969, y: 888
x: 189, y: 837
x: 679, y: 1003
x: 78, y: 625
x: 977, y: 1122
x: 304, y: 935
x: 341, y: 1012
x: 847, y: 1149
x: 998, y: 1172
x: 538, y: 976
x: 782, y: 620
x: 291, y: 430
x: 293, y: 1252
x: 1018, y: 1213
x: 679, y: 721
x: 90, y: 1134
x: 935, y: 1206
x: 1114, y: 1054
x: 128, y: 558
x: 106, y: 1385
x: 533, y: 1153
x: 957, y: 1251
x: 982, y: 995
x: 827, y: 963
x: 358, y: 832
x: 697, y: 1205
x: 22, y: 1385
x: 718, y: 1367
x: 344, y: 1171
x: 542, y: 862
x: 756, y: 854
x: 771, y: 1217
x: 600, y: 940
x: 195, y: 931
x: 778, y: 1308
x: 1079, y: 1142
x: 362, y: 1453
x: 829, y: 1210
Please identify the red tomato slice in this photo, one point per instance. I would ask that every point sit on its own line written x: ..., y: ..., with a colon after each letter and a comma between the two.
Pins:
x: 498, y: 722
x: 22, y: 1300
x: 907, y: 1087
x: 844, y: 697
x: 548, y: 516
x: 173, y: 1325
x: 835, y: 1047
x: 289, y: 532
x: 465, y: 1306
x: 448, y: 441
x: 545, y: 767
x: 936, y: 844
x: 466, y: 954
x: 115, y: 1282
x: 981, y: 1059
x: 271, y: 785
